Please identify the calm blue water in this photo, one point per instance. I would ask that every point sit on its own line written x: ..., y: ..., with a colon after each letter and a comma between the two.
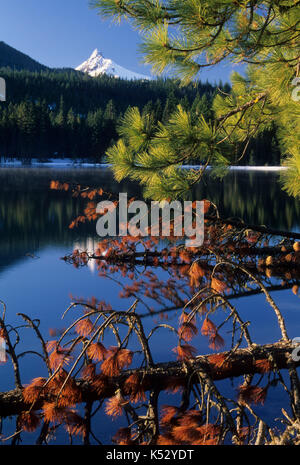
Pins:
x: 34, y: 235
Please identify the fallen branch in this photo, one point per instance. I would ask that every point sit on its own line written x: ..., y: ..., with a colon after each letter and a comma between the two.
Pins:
x: 160, y: 376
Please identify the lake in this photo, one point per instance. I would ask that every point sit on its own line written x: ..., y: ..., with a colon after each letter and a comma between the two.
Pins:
x: 35, y: 235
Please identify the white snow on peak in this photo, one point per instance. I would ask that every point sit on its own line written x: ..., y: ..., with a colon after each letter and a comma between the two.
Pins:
x: 97, y: 65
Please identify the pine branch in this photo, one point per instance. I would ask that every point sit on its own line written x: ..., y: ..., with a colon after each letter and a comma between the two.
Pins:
x: 239, y: 363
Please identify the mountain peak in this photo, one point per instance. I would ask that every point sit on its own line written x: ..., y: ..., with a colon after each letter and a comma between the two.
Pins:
x: 95, y: 53
x: 96, y: 65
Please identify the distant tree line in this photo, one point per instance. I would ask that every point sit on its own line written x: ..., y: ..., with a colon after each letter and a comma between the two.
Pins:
x: 68, y: 114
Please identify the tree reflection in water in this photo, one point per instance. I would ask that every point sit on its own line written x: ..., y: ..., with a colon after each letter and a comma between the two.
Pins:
x: 88, y: 373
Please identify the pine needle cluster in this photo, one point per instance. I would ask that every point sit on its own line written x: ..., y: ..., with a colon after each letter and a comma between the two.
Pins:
x: 184, y: 38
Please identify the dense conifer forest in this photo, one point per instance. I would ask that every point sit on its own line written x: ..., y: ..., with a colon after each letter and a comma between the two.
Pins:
x: 64, y: 113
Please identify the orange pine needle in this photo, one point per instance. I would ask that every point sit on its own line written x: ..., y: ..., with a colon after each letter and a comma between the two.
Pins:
x: 53, y: 413
x: 29, y: 421
x: 263, y: 365
x: 185, y: 352
x: 97, y: 352
x: 218, y: 285
x: 84, y: 327
x: 33, y: 390
x: 114, y: 406
x: 249, y: 394
x: 123, y: 437
x: 116, y: 361
x: 168, y: 414
x: 208, y: 328
x: 88, y: 372
x: 216, y: 342
x: 196, y: 274
x: 133, y: 387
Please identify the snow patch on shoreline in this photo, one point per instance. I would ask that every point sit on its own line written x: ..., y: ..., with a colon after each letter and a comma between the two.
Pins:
x: 68, y: 162
x: 242, y: 168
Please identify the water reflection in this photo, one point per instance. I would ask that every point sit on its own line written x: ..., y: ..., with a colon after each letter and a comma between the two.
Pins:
x: 35, y: 220
x: 32, y: 215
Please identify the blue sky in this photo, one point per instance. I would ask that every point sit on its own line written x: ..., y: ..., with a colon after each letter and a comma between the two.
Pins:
x: 63, y: 33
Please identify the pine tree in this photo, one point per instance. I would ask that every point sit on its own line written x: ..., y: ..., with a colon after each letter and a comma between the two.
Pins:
x: 44, y: 125
x: 27, y: 125
x: 95, y: 121
x: 170, y: 106
x: 158, y: 110
x: 60, y: 127
x: 110, y: 111
x: 185, y: 37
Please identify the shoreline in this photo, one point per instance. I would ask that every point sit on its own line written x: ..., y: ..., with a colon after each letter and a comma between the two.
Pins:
x: 63, y: 163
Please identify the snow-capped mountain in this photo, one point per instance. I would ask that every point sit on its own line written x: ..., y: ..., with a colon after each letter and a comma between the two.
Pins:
x: 97, y: 65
